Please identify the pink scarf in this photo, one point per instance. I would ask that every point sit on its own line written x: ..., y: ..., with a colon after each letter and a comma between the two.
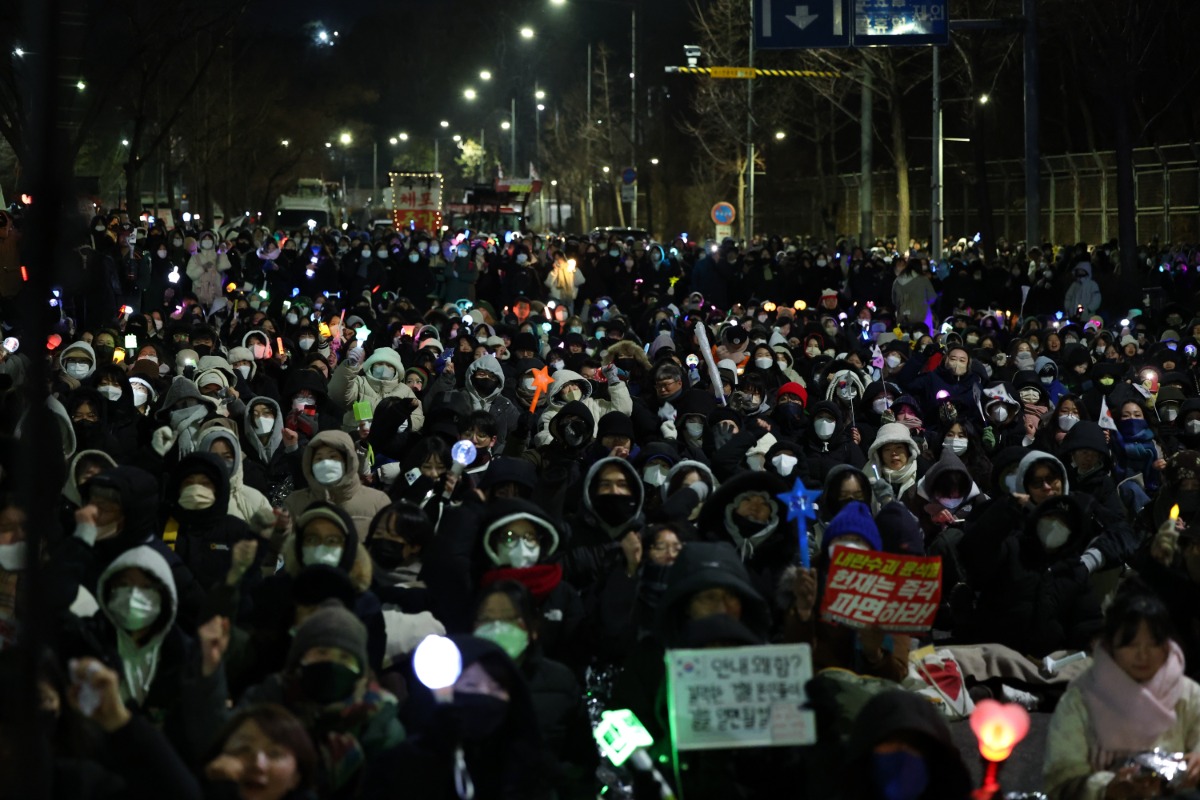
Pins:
x: 1128, y: 717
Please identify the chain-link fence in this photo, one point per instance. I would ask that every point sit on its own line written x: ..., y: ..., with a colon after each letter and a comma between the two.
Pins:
x: 1079, y: 198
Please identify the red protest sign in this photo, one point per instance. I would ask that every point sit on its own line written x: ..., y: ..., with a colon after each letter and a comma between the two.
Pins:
x: 898, y: 593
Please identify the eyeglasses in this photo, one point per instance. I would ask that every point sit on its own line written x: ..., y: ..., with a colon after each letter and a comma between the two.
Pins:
x: 510, y: 538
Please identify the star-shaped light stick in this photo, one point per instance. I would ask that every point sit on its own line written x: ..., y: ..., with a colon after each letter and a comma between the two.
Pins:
x: 801, y: 504
x: 541, y: 383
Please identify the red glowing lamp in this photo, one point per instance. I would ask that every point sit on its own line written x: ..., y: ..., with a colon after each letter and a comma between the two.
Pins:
x: 999, y: 728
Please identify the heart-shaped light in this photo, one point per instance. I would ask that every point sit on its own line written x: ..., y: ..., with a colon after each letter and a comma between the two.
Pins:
x: 999, y: 727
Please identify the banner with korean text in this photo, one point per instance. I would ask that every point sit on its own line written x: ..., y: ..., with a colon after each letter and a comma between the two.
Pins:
x: 899, y: 594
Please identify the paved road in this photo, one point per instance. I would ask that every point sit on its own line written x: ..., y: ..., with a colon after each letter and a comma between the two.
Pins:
x: 1023, y: 771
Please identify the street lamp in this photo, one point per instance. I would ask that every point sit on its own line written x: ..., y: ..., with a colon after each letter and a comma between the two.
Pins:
x: 527, y: 32
x: 346, y: 138
x: 80, y: 85
x: 605, y: 170
x: 780, y: 136
x: 18, y: 52
x: 485, y: 75
x: 457, y: 138
x: 654, y: 161
x: 329, y: 144
x: 539, y: 95
x: 403, y: 136
x: 286, y: 142
x: 444, y: 124
x: 505, y: 125
x: 125, y: 143
x: 393, y: 140
x: 541, y: 106
x: 983, y: 99
x: 469, y: 93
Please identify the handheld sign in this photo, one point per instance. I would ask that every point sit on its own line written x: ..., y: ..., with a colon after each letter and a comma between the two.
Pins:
x: 900, y: 594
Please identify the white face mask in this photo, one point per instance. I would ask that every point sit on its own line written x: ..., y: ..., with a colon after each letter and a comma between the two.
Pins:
x: 244, y: 369
x: 821, y: 262
x: 328, y: 472
x: 512, y: 638
x: 265, y: 424
x: 695, y: 430
x: 1067, y: 421
x: 520, y: 554
x: 1053, y: 533
x: 77, y: 370
x: 1192, y: 426
x: 950, y: 502
x: 763, y: 363
x: 522, y: 258
x: 162, y: 253
x: 813, y: 351
x: 322, y: 554
x: 366, y: 253
x: 1169, y: 413
x: 999, y: 414
x: 383, y: 372
x: 12, y: 556
x: 957, y: 446
x: 292, y: 318
x: 880, y: 404
x: 306, y: 344
x: 655, y: 475
x: 110, y: 392
x: 207, y: 244
x: 140, y: 396
x: 196, y: 497
x: 133, y: 608
x: 784, y: 464
x: 381, y: 254
x: 824, y: 428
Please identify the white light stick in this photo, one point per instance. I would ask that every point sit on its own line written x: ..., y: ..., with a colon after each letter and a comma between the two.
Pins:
x: 706, y: 353
x: 437, y: 663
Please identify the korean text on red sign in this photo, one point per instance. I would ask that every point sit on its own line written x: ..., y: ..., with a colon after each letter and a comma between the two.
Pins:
x: 899, y: 594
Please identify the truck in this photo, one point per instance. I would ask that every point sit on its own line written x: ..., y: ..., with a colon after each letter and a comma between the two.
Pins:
x: 496, y: 207
x: 310, y: 204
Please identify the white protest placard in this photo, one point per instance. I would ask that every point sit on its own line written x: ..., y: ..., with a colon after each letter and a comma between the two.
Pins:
x: 740, y: 697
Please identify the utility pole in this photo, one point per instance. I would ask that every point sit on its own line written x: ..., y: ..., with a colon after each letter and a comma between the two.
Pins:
x: 748, y: 211
x: 1033, y: 200
x: 633, y: 208
x: 512, y: 127
x: 935, y: 205
x: 866, y: 204
x: 589, y: 221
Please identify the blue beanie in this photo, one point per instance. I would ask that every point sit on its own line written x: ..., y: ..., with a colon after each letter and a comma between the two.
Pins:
x: 853, y: 520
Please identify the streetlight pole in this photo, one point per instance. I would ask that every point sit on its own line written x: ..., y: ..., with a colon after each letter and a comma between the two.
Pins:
x: 1033, y: 200
x: 588, y: 215
x: 374, y: 171
x: 935, y: 206
x: 749, y: 210
x: 512, y: 128
x: 633, y: 208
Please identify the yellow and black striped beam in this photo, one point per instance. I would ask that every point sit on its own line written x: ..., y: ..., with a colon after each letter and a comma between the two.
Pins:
x: 749, y: 73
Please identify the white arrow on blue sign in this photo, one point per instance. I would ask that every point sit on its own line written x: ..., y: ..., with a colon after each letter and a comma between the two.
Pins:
x: 791, y: 25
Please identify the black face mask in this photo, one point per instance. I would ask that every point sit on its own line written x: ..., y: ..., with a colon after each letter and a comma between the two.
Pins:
x: 574, y: 433
x: 614, y: 509
x: 387, y: 554
x: 104, y: 354
x: 484, y: 386
x: 202, y: 350
x: 327, y: 682
x: 1189, y: 502
x: 478, y: 715
x: 627, y: 364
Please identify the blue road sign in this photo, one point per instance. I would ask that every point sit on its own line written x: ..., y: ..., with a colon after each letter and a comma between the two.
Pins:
x: 900, y: 22
x: 800, y: 24
x: 629, y: 176
x: 723, y: 213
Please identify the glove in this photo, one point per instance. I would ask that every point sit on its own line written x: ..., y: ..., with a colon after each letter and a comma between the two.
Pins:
x: 989, y: 437
x: 667, y: 412
x: 883, y: 491
x: 694, y: 376
x: 930, y: 350
x: 1166, y: 540
x: 668, y: 430
x: 355, y: 357
x: 610, y: 374
x: 162, y: 440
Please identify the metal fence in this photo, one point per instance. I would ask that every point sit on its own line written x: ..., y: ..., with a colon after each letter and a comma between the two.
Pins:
x: 1079, y: 198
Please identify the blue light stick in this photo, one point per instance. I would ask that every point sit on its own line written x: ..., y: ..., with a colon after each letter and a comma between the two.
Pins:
x: 802, y: 507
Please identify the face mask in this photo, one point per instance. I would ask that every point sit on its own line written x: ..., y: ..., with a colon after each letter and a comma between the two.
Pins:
x: 957, y: 446
x: 162, y: 253
x: 484, y: 386
x: 611, y: 253
x: 1024, y: 361
x: 880, y: 404
x: 1107, y: 381
x: 655, y: 475
x: 328, y: 472
x: 265, y: 424
x: 140, y: 396
x: 824, y: 428
x: 763, y: 363
x: 292, y: 318
x: 1047, y: 379
x: 388, y: 555
x: 322, y: 554
x: 784, y: 464
x: 1132, y: 427
x: 381, y: 254
x: 572, y: 393
x: 1192, y: 426
x: 1052, y: 533
x: 207, y: 244
x: 133, y: 608
x: 1169, y: 413
x: 950, y: 502
x: 575, y: 329
x: 12, y: 556
x: 695, y: 430
x: 999, y: 414
x: 196, y: 497
x: 306, y: 344
x: 512, y: 638
x: 327, y: 682
x: 522, y: 258
x: 478, y: 715
x: 813, y: 351
x: 892, y: 361
x: 1067, y: 421
x: 414, y: 258
x: 614, y: 509
x: 900, y: 775
x: 520, y: 554
x: 77, y: 370
x: 422, y: 246
x: 110, y: 392
x: 383, y: 372
x: 244, y: 369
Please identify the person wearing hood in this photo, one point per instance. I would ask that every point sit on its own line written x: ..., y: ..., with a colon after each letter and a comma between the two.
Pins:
x: 1047, y: 373
x: 610, y: 515
x: 244, y: 502
x: 482, y: 391
x: 1085, y: 448
x: 912, y: 293
x: 330, y: 466
x: 328, y: 684
x: 180, y: 415
x: 559, y: 465
x: 945, y: 495
x: 519, y: 542
x: 88, y: 411
x: 309, y: 408
x: 507, y: 614
x: 124, y: 424
x: 570, y: 387
x: 894, y: 456
x: 480, y: 736
x: 1134, y: 698
x: 254, y: 366
x: 1004, y: 424
x: 76, y: 363
x: 901, y: 747
x: 827, y: 442
x: 935, y: 378
x: 264, y: 450
x: 80, y: 469
x: 1083, y: 295
x: 361, y: 379
x: 206, y: 269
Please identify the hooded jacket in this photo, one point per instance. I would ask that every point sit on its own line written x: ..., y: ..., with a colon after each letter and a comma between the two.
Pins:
x: 926, y: 507
x: 244, y: 502
x: 349, y: 385
x: 618, y: 400
x: 79, y: 348
x: 595, y: 546
x: 906, y: 477
x: 503, y: 410
x: 1082, y: 292
x: 822, y: 456
x: 362, y: 503
x: 71, y: 488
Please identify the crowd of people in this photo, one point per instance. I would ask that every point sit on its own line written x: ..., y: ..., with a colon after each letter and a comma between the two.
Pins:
x: 287, y: 459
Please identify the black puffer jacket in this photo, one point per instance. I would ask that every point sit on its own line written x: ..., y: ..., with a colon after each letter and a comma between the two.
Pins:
x: 822, y: 456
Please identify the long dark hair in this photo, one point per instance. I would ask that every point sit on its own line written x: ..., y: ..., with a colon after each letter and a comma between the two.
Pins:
x: 1135, y: 603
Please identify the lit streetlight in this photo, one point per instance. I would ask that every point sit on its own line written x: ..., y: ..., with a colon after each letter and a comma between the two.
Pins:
x: 527, y: 32
x: 393, y: 140
x: 654, y: 161
x: 329, y: 144
x: 18, y: 52
x: 80, y: 85
x: 469, y: 93
x: 505, y: 125
x: 444, y: 124
x: 485, y: 75
x: 780, y: 136
x: 457, y: 138
x: 539, y: 95
x: 541, y: 106
x: 125, y: 143
x: 346, y: 138
x: 403, y: 136
x: 286, y: 142
x: 983, y: 99
x: 605, y: 170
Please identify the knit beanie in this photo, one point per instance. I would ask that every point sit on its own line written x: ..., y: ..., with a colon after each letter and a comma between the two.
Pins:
x: 796, y: 390
x: 331, y: 625
x: 853, y: 520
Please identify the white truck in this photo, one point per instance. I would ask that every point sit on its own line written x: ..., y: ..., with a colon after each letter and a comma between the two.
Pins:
x: 308, y: 205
